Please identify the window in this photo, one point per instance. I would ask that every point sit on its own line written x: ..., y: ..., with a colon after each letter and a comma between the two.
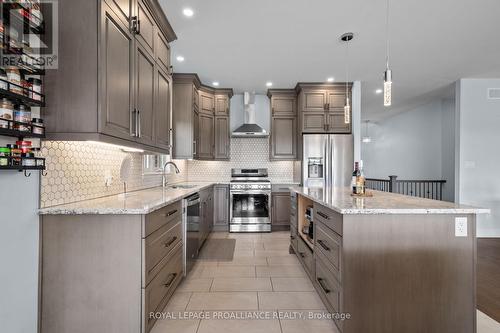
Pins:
x: 153, y: 164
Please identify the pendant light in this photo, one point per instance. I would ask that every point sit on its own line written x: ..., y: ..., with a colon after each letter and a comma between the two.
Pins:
x: 366, y: 138
x: 347, y: 37
x: 388, y: 72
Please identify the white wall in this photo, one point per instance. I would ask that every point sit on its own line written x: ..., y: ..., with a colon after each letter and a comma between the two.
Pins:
x: 479, y: 151
x: 18, y: 252
x: 417, y: 144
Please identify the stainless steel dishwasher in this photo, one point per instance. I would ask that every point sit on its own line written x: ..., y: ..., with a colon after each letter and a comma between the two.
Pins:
x: 192, y: 231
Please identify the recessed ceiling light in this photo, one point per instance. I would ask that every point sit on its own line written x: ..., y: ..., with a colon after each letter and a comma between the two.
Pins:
x: 180, y: 58
x: 188, y: 12
x: 215, y: 83
x: 330, y: 79
x: 379, y: 91
x: 269, y: 84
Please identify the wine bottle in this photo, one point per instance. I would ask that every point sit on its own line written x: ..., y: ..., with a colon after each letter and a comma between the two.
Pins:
x: 355, y: 177
x: 360, y: 180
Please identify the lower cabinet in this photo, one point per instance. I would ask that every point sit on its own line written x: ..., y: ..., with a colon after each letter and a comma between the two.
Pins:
x: 107, y: 267
x: 206, y: 214
x: 280, y: 210
x: 221, y: 207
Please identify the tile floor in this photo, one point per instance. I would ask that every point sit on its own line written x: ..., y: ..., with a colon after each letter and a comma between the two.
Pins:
x: 262, y: 281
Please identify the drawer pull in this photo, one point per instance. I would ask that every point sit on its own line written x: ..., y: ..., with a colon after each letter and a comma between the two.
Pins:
x: 170, y: 280
x: 302, y: 254
x: 167, y: 244
x: 292, y: 237
x: 323, y: 245
x: 325, y: 289
x: 323, y: 215
x: 170, y: 213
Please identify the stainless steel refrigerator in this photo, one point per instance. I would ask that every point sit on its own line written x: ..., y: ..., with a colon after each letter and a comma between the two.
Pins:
x: 328, y: 160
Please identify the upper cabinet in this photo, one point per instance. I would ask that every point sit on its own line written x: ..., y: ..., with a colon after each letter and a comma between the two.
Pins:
x: 321, y: 108
x: 284, y: 135
x: 200, y: 120
x: 121, y: 95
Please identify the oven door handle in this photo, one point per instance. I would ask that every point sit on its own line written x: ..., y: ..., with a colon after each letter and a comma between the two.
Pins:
x: 250, y: 192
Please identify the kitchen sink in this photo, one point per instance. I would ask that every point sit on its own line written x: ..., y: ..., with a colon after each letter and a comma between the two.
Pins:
x: 182, y: 186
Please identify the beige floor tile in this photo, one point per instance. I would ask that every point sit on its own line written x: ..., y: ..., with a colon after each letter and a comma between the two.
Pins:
x: 307, y: 325
x: 292, y: 284
x: 178, y: 302
x: 280, y: 271
x: 279, y: 261
x: 243, y: 254
x: 289, y: 300
x: 276, y: 235
x: 272, y: 253
x: 245, y: 261
x: 177, y: 326
x: 228, y: 271
x: 241, y: 284
x: 485, y: 324
x: 240, y: 326
x: 190, y: 285
x: 223, y: 301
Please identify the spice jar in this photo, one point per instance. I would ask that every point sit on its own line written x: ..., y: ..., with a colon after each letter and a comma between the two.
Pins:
x: 15, y: 153
x: 37, y: 152
x: 28, y: 159
x: 14, y: 77
x: 4, y: 154
x: 26, y: 87
x: 6, y: 112
x: 3, y: 76
x: 37, y: 126
x: 25, y: 146
x: 36, y: 86
x: 22, y: 114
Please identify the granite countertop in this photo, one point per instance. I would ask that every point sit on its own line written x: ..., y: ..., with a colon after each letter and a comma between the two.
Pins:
x: 135, y: 203
x: 339, y: 199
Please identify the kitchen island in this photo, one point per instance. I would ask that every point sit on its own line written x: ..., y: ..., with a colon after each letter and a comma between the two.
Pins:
x: 388, y: 263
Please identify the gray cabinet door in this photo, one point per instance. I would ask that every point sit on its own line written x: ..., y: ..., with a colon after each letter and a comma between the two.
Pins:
x: 117, y: 69
x: 196, y: 133
x: 280, y: 209
x: 123, y: 9
x: 314, y: 122
x: 163, y: 109
x: 221, y: 205
x: 283, y: 105
x: 313, y: 100
x: 162, y: 50
x: 336, y: 123
x: 222, y: 138
x: 146, y: 31
x: 206, y: 137
x: 206, y: 103
x: 221, y: 105
x: 284, y: 138
x: 145, y: 95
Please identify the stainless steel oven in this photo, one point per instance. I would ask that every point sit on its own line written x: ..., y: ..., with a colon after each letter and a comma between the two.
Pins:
x: 250, y: 201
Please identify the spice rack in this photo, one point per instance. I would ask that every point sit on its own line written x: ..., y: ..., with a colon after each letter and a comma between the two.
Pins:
x: 17, y: 19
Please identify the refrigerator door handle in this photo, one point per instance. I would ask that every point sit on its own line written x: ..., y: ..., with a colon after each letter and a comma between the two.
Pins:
x: 327, y: 161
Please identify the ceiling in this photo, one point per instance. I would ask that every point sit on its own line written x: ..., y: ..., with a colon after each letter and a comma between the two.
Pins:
x: 243, y: 44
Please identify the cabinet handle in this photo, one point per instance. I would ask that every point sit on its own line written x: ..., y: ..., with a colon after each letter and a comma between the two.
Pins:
x: 323, y: 215
x: 170, y: 213
x: 133, y: 125
x: 170, y: 280
x: 292, y: 237
x: 323, y: 245
x: 194, y: 147
x: 302, y: 254
x: 136, y: 25
x: 139, y: 134
x: 325, y: 289
x: 167, y: 244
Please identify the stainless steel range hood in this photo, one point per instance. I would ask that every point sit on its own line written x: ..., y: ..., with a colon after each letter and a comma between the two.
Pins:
x: 249, y: 128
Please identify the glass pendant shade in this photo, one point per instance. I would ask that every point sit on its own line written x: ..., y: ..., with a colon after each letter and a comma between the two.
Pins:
x: 347, y: 112
x: 388, y: 88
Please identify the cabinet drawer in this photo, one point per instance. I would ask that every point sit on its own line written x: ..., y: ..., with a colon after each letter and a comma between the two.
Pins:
x: 294, y: 238
x: 161, y: 288
x: 305, y: 256
x: 157, y: 219
x: 327, y: 286
x: 281, y: 188
x: 159, y: 245
x: 329, y: 244
x: 328, y: 217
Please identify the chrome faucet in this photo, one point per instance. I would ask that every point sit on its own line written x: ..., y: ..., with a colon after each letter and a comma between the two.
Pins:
x: 164, y: 175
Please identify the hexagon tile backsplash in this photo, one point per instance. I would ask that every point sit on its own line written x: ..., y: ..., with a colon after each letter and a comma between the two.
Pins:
x: 76, y: 171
